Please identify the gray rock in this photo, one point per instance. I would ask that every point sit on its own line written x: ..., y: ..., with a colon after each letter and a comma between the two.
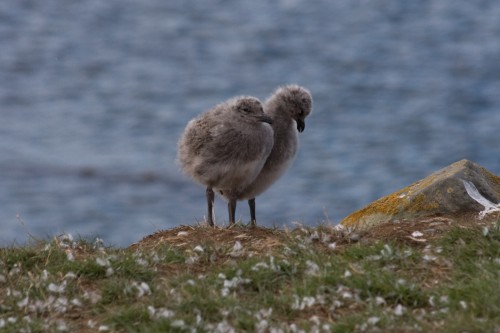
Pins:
x: 440, y: 194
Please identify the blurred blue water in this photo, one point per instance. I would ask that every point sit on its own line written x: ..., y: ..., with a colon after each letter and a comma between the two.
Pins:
x: 94, y: 95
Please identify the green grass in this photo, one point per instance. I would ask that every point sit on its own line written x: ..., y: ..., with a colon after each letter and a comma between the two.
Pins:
x: 449, y: 284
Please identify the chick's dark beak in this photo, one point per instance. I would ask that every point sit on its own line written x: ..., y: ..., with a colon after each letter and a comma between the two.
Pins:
x: 266, y: 119
x: 300, y: 125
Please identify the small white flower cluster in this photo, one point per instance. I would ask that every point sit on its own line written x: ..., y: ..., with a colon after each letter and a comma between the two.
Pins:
x: 196, y: 253
x: 52, y: 301
x: 324, y: 237
x: 334, y: 299
x: 232, y: 284
x: 139, y: 289
x: 273, y: 265
x: 105, y: 262
x: 388, y: 253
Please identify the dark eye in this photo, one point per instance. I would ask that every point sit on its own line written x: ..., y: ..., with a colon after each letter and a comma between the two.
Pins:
x: 245, y: 109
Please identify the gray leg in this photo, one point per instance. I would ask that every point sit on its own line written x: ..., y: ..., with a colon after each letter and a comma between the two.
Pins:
x: 251, y: 203
x: 210, y: 202
x: 231, y: 206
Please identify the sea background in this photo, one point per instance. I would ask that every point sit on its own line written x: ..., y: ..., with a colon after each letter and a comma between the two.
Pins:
x: 95, y: 94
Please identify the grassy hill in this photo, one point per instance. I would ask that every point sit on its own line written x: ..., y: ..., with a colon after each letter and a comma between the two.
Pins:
x: 437, y: 275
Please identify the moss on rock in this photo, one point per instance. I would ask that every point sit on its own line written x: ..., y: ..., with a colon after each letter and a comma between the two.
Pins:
x: 440, y: 194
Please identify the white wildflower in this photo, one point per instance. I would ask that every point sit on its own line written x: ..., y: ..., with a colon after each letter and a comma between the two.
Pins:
x: 273, y: 265
x: 399, y: 310
x: 428, y: 257
x: 58, y: 289
x: 264, y: 313
x: 109, y: 271
x: 142, y: 289
x: 261, y: 326
x: 332, y: 246
x: 315, y: 320
x: 91, y: 323
x: 312, y: 268
x: 325, y: 238
x: 103, y: 262
x: 164, y: 313
x: 463, y: 304
x: 142, y: 262
x: 61, y: 304
x: 486, y: 231
x: 260, y: 265
x: 386, y: 251
x: 159, y: 313
x: 12, y: 320
x: 314, y: 235
x: 76, y: 302
x: 198, y: 248
x: 61, y: 326
x: 178, y: 323
x: 222, y: 327
x: 69, y: 255
x: 306, y: 302
x: 103, y: 328
x: 65, y: 240
x: 155, y: 258
x: 70, y: 276
x: 417, y: 234
x: 92, y: 296
x: 347, y: 273
x: 2, y: 323
x: 13, y: 292
x: 15, y: 270
x: 346, y: 294
x: 373, y: 320
x: 231, y: 284
x: 98, y: 243
x: 237, y: 250
x: 379, y: 300
x: 23, y: 303
x: 45, y: 275
x: 191, y: 260
x: 151, y: 311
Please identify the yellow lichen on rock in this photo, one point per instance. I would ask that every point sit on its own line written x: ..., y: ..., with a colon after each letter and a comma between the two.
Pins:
x: 441, y: 193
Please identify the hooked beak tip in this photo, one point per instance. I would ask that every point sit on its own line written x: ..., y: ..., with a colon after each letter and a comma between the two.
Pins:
x: 301, y: 125
x: 266, y: 119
